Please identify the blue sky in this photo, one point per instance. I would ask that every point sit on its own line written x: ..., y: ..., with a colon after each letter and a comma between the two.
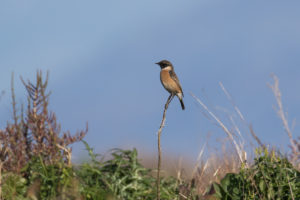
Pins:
x: 101, y: 55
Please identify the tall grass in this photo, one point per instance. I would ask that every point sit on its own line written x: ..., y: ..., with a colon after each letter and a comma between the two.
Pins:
x: 228, y: 161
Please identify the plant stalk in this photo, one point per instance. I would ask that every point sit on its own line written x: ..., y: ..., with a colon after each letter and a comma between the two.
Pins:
x: 162, y: 124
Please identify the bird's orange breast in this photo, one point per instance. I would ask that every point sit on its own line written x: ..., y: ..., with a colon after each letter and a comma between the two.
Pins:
x: 169, y: 84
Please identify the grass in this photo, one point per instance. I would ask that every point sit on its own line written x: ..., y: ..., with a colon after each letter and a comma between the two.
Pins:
x: 35, y: 161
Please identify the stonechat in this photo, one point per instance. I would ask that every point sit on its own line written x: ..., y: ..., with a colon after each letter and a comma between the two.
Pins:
x: 170, y: 81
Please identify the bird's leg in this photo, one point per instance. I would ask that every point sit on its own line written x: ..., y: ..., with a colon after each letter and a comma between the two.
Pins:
x: 169, y: 100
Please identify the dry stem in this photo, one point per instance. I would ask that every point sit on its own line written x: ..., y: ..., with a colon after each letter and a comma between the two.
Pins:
x: 1, y: 164
x: 68, y: 152
x: 253, y: 134
x: 239, y: 150
x: 162, y: 124
x: 283, y: 116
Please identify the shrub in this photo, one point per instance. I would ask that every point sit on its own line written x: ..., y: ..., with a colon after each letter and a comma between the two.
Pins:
x: 51, y: 181
x: 270, y: 177
x: 122, y: 177
x: 14, y: 187
x: 34, y: 132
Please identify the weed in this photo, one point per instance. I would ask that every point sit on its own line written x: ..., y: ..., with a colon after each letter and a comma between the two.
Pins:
x: 271, y: 177
x: 122, y: 177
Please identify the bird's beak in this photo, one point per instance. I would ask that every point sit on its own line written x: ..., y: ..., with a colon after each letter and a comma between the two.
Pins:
x: 157, y: 63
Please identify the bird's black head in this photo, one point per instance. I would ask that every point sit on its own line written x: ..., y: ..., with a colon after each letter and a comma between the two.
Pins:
x: 164, y: 63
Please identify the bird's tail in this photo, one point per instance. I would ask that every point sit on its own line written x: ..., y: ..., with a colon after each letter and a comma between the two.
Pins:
x: 182, y: 104
x: 180, y: 95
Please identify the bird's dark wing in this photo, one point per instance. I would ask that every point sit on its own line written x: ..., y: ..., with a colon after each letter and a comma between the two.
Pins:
x: 175, y: 78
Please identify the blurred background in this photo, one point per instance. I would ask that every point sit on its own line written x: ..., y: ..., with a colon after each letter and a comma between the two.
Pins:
x: 101, y: 55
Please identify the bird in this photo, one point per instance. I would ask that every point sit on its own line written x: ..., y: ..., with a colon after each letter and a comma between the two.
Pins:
x: 170, y: 80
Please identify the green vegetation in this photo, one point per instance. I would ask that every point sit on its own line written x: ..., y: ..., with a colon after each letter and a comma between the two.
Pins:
x: 270, y: 177
x: 121, y: 177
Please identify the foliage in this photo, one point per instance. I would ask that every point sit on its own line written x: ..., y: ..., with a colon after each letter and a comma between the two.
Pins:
x: 122, y: 177
x: 14, y: 186
x: 52, y: 180
x: 90, y: 176
x: 34, y: 155
x: 43, y: 181
x: 271, y: 177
